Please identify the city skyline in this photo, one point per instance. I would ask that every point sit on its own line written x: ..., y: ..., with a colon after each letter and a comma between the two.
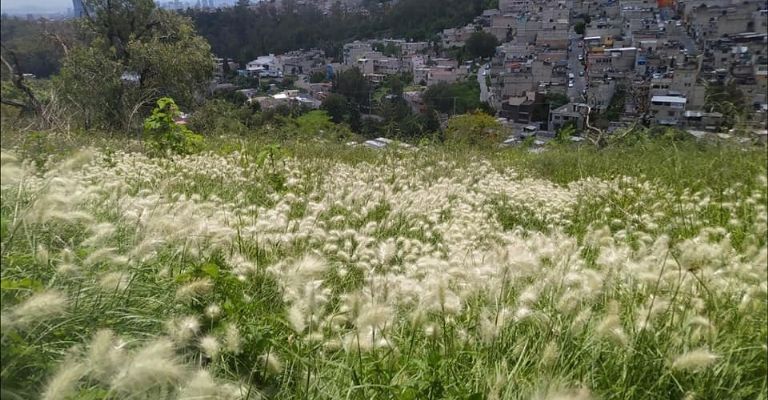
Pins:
x: 61, y: 7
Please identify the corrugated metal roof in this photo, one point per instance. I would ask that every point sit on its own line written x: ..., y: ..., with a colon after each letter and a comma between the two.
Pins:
x: 669, y: 99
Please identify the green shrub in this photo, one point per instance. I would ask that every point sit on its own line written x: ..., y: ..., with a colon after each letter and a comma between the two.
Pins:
x: 165, y: 135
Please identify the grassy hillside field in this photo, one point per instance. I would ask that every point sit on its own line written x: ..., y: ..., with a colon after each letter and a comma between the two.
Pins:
x: 318, y: 271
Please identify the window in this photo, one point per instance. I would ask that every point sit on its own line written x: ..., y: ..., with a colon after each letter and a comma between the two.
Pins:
x: 671, y: 113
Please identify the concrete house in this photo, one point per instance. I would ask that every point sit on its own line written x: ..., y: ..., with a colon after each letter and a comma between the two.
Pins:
x: 264, y: 67
x: 668, y: 110
x: 571, y: 112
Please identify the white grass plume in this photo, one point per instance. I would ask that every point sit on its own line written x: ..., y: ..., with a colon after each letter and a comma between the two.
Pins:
x: 152, y: 367
x: 694, y: 360
x: 63, y: 384
x: 232, y: 338
x: 271, y: 363
x: 105, y: 355
x: 38, y: 308
x: 210, y: 346
x: 194, y: 290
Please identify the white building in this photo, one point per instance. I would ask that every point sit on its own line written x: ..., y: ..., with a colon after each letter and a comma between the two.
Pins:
x: 264, y: 66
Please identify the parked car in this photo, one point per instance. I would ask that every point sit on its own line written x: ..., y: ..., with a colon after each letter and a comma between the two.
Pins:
x: 581, y: 73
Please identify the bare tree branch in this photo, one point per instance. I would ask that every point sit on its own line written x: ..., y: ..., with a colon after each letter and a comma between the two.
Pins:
x: 17, y: 78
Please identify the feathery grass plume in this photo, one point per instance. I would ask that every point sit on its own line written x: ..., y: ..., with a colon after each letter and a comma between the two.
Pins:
x: 550, y: 354
x: 41, y: 254
x: 309, y: 267
x: 610, y: 327
x: 181, y: 330
x: 194, y: 290
x: 210, y: 346
x: 491, y: 325
x: 296, y: 318
x: 105, y: 355
x: 115, y: 281
x: 99, y: 233
x: 11, y: 172
x: 152, y: 367
x: 271, y: 363
x: 694, y: 360
x: 213, y: 311
x: 99, y: 255
x: 37, y: 308
x: 201, y: 387
x: 567, y: 394
x: 581, y: 321
x: 376, y: 316
x: 700, y: 322
x: 63, y: 385
x: 500, y: 377
x: 232, y: 338
x: 79, y: 159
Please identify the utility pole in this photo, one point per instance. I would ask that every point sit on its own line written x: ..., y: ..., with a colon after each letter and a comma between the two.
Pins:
x: 454, y: 105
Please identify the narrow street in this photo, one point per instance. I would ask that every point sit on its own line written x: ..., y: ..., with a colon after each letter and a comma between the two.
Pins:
x: 577, y: 69
x: 485, y: 94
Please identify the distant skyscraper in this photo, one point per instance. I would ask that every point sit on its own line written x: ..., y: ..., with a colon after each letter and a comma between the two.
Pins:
x: 78, y: 10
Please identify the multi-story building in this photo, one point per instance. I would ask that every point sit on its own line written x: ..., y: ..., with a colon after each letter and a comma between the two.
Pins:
x: 668, y: 110
x: 568, y: 113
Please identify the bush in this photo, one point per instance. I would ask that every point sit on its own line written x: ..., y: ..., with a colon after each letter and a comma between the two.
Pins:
x: 219, y: 117
x: 473, y: 129
x: 165, y: 135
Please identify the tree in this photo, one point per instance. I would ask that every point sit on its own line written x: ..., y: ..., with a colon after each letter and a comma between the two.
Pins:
x: 579, y: 28
x: 453, y: 98
x: 481, y: 44
x: 565, y: 132
x: 473, y: 129
x: 395, y: 85
x: 337, y: 107
x: 165, y: 135
x: 353, y: 85
x: 728, y: 100
x: 137, y: 54
x: 317, y: 77
x: 552, y: 101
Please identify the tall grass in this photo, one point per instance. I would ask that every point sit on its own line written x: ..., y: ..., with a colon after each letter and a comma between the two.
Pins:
x: 325, y: 272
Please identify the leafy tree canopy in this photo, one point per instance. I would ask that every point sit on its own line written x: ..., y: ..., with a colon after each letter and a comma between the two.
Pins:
x: 481, y: 44
x: 476, y: 128
x: 136, y: 53
x: 454, y: 98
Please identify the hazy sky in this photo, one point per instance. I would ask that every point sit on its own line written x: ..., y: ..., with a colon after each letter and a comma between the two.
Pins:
x: 36, y: 5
